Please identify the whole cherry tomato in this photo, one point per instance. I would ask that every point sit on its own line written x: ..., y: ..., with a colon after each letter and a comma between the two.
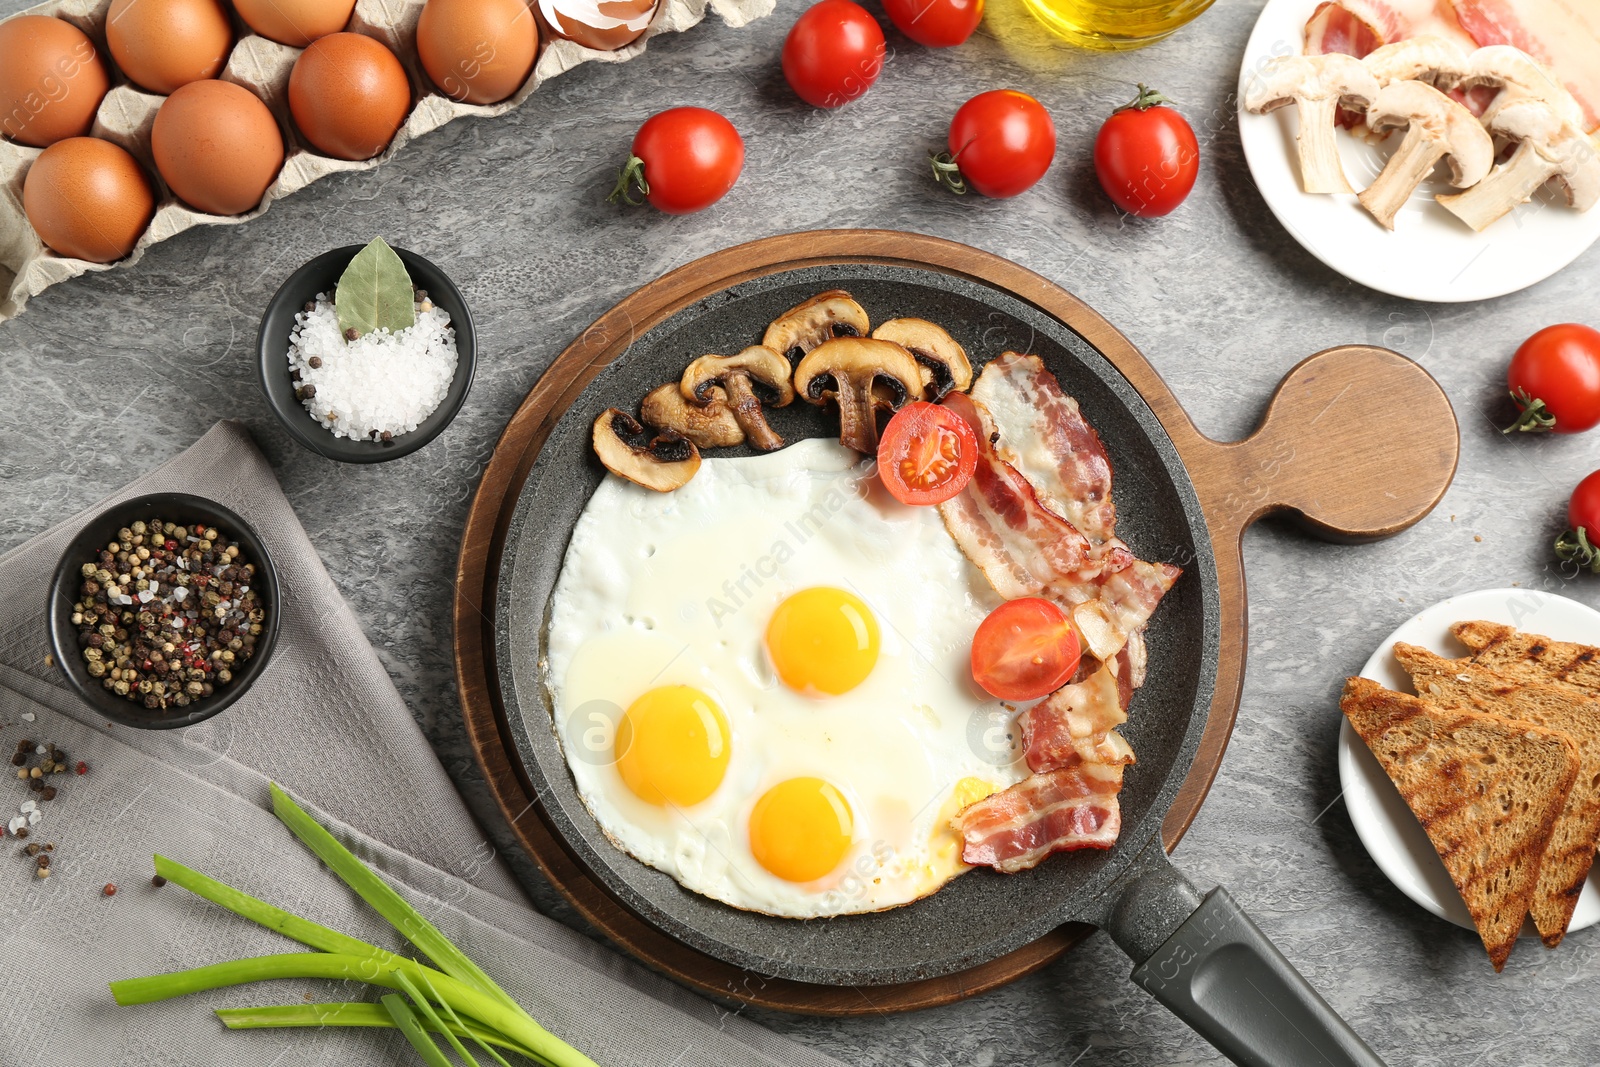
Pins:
x: 1555, y: 380
x: 935, y: 23
x: 684, y: 159
x: 1583, y: 522
x: 1025, y: 649
x: 1001, y: 143
x: 1146, y: 156
x: 833, y: 54
x: 927, y: 454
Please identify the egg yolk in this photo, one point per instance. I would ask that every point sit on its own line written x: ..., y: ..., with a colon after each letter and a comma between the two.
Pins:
x: 823, y: 641
x: 800, y: 829
x: 672, y: 746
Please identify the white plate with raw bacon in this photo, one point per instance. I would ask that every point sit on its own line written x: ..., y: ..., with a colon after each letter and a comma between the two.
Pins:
x: 1454, y: 160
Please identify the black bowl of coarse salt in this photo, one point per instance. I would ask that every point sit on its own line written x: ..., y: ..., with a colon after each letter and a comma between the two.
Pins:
x: 372, y: 397
x: 164, y: 610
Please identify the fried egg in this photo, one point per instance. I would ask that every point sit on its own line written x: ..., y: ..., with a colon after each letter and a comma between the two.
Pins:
x: 761, y: 683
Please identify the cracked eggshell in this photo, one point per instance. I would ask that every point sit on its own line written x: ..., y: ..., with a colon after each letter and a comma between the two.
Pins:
x: 604, y: 25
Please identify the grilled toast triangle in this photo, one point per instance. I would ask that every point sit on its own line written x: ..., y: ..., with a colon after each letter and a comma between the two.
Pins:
x: 1524, y: 657
x: 1450, y: 683
x: 1487, y: 791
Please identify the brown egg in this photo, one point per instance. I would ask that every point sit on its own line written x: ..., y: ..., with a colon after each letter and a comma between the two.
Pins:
x: 480, y: 51
x: 295, y: 22
x: 162, y: 44
x: 51, y: 80
x: 217, y: 146
x: 348, y: 94
x: 88, y: 199
x: 602, y: 24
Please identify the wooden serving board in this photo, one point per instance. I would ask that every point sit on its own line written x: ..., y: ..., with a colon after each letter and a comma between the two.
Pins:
x: 1313, y: 457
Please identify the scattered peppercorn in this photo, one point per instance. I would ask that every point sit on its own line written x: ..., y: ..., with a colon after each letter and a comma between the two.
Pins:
x: 22, y: 831
x: 42, y: 859
x: 42, y: 872
x: 157, y: 881
x: 83, y: 768
x: 19, y: 759
x: 110, y: 890
x: 47, y: 793
x: 32, y: 849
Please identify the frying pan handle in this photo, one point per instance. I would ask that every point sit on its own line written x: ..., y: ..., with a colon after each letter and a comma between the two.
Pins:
x: 1217, y: 972
x: 1357, y: 444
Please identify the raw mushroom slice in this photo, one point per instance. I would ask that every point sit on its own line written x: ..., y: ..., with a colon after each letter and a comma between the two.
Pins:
x: 1549, y: 149
x: 944, y: 362
x: 708, y: 425
x: 1436, y: 128
x: 754, y: 376
x: 1435, y: 60
x: 1519, y: 78
x: 862, y: 374
x: 825, y: 316
x: 662, y: 462
x: 1318, y: 86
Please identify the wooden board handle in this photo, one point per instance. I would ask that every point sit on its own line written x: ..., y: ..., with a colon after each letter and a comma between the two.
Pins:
x: 1357, y: 444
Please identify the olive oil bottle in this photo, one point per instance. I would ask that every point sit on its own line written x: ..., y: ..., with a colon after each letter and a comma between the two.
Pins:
x: 1115, y: 25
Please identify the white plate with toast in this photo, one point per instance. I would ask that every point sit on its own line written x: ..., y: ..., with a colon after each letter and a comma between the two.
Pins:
x: 1386, y: 826
x: 1430, y: 254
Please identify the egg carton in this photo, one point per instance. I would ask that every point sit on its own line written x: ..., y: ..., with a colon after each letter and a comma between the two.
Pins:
x: 127, y: 114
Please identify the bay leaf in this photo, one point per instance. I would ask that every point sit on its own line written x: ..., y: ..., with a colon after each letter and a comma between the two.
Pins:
x: 375, y: 291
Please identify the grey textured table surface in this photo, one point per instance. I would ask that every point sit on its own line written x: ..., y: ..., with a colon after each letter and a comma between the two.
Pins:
x: 104, y: 377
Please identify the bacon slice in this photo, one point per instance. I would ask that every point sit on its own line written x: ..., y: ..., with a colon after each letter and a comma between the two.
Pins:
x: 1001, y: 525
x: 1113, y: 604
x: 1564, y: 35
x: 1356, y: 27
x: 1043, y: 435
x: 1071, y: 808
x: 1078, y: 723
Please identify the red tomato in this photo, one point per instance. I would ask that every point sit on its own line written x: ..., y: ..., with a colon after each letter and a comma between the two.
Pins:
x: 1001, y: 143
x: 833, y: 54
x: 1025, y: 649
x: 927, y: 454
x: 935, y: 23
x: 1583, y: 521
x: 1555, y: 380
x: 684, y: 159
x: 1146, y: 156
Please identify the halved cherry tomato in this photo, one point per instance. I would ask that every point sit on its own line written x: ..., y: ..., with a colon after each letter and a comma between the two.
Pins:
x: 935, y: 23
x: 1577, y: 545
x: 1025, y: 649
x: 1555, y: 380
x: 927, y: 454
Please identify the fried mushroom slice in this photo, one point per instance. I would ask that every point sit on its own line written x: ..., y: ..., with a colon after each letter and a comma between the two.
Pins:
x: 749, y: 378
x: 708, y: 425
x: 944, y: 362
x: 825, y: 316
x: 662, y: 462
x: 861, y: 374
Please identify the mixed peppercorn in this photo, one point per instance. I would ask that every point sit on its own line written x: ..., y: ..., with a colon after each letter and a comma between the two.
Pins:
x: 50, y: 761
x: 166, y: 613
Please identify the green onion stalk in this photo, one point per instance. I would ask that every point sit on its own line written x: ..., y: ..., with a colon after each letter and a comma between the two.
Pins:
x: 454, y: 999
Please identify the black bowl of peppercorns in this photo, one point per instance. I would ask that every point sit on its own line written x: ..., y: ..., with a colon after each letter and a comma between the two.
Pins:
x: 164, y: 610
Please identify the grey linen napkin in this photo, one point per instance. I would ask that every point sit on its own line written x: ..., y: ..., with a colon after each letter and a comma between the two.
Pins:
x: 325, y: 722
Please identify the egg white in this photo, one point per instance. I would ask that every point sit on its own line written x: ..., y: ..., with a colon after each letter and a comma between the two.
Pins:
x: 676, y: 588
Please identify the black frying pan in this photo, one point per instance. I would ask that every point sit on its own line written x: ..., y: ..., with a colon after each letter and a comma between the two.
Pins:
x: 1197, y: 953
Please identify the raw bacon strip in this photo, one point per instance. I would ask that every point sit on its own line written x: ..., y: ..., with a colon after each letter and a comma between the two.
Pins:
x: 1000, y: 524
x: 1356, y: 27
x: 1077, y: 723
x: 1075, y: 807
x: 1564, y: 35
x: 1044, y: 435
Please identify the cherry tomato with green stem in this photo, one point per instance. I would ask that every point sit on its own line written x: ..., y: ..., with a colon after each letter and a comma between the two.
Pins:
x: 1577, y: 545
x: 833, y: 53
x: 935, y: 23
x: 1001, y: 143
x: 1146, y: 156
x: 1555, y: 380
x: 684, y: 159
